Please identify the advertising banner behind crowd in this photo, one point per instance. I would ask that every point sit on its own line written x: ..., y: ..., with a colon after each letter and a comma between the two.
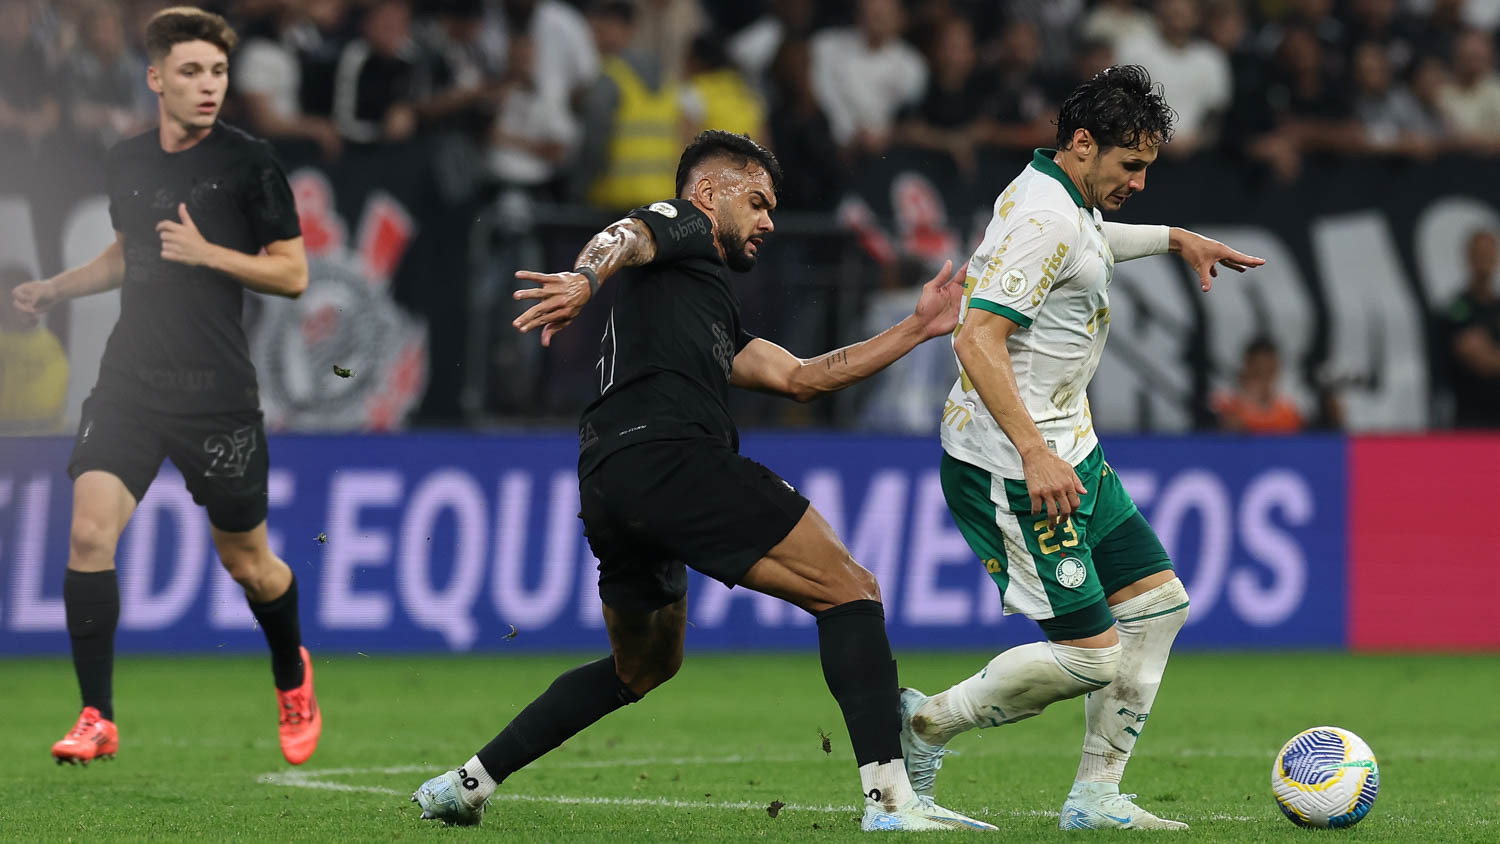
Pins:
x: 460, y: 543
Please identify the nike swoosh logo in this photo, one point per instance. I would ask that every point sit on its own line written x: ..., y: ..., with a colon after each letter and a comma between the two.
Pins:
x: 1125, y: 819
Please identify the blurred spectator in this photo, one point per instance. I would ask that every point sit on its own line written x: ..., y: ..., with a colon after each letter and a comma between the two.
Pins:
x: 1471, y: 101
x: 1089, y: 57
x: 267, y: 78
x: 864, y: 75
x: 634, y: 122
x: 1194, y: 73
x: 105, y: 80
x: 1439, y: 26
x: 1301, y: 110
x: 373, y: 86
x: 1256, y: 405
x: 33, y: 367
x: 666, y: 29
x: 534, y: 133
x: 1380, y: 22
x: 1055, y: 21
x: 1313, y: 16
x: 1393, y: 120
x: 29, y: 111
x: 754, y: 47
x: 1022, y: 117
x: 959, y: 101
x: 800, y: 134
x: 1473, y: 337
x: 1429, y: 80
x: 457, y: 80
x: 567, y: 62
x: 719, y: 95
x: 1114, y: 21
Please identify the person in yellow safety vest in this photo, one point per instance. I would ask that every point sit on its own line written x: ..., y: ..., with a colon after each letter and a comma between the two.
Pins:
x: 720, y: 94
x: 636, y: 125
x: 33, y: 366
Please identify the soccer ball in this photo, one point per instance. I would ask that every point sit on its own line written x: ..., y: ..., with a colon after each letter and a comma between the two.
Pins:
x: 1325, y: 778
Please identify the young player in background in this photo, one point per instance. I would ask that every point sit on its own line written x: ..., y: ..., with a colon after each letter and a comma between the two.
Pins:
x: 201, y: 212
x: 1023, y: 473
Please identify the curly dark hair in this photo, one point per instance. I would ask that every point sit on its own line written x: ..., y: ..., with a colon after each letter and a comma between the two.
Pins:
x: 739, y: 149
x: 1120, y: 107
x: 179, y: 24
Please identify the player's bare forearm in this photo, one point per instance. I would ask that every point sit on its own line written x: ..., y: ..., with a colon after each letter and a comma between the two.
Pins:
x: 106, y: 272
x: 273, y: 272
x: 986, y: 360
x: 623, y: 243
x: 852, y: 364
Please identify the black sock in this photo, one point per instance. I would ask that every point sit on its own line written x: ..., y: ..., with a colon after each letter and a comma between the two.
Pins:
x: 575, y: 700
x: 278, y: 618
x: 91, y: 600
x: 861, y: 673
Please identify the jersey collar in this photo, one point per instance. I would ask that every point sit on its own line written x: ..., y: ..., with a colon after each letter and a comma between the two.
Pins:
x: 1041, y: 159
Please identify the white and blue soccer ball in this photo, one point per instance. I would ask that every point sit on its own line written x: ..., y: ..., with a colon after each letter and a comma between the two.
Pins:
x: 1325, y: 778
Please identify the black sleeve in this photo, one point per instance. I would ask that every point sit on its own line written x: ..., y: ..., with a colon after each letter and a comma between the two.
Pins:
x: 742, y: 341
x: 680, y: 229
x: 269, y: 202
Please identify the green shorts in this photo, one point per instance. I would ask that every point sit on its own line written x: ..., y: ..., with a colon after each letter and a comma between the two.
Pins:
x: 1044, y: 572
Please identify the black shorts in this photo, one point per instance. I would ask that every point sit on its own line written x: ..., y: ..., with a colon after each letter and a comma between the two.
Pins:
x: 654, y: 508
x: 222, y: 457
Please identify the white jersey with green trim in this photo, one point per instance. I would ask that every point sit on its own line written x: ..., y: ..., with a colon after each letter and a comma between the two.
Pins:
x: 1045, y: 265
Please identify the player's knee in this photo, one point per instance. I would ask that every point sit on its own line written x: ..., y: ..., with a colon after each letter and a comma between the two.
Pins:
x: 247, y: 565
x: 642, y: 677
x: 91, y: 544
x: 1093, y: 667
x: 857, y: 583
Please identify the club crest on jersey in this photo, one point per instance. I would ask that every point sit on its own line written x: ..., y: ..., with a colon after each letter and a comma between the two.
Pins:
x: 666, y: 209
x: 1013, y: 282
x: 1071, y: 573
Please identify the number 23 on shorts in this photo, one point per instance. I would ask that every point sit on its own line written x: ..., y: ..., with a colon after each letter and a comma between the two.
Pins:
x: 1046, y: 534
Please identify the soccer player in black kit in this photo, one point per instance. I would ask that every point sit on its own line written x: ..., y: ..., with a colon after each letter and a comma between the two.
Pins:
x: 201, y: 212
x: 663, y: 486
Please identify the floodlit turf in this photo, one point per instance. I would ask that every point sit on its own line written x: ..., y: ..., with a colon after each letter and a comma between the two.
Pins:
x: 703, y: 757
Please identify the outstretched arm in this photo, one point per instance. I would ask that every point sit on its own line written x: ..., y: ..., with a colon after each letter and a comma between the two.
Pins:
x: 766, y: 367
x: 106, y: 272
x: 624, y: 243
x: 1203, y: 254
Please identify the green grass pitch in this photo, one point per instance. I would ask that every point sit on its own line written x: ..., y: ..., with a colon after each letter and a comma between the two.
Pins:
x: 703, y: 757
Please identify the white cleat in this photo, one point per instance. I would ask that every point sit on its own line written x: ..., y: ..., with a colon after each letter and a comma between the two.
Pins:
x: 922, y: 759
x: 917, y: 815
x: 441, y: 799
x: 1099, y: 805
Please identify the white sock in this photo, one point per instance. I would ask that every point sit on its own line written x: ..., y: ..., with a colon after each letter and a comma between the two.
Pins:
x: 1017, y: 684
x: 886, y: 783
x: 1115, y: 715
x: 477, y: 783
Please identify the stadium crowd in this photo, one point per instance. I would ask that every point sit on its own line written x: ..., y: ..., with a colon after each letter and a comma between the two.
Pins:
x: 589, y: 102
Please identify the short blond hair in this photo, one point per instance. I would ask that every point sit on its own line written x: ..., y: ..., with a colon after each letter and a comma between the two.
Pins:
x: 179, y: 24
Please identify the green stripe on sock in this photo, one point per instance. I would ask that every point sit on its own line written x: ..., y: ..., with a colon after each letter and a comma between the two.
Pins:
x: 1181, y: 606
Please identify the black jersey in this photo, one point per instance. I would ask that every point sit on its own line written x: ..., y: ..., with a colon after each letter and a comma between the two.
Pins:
x: 1476, y: 397
x: 668, y: 346
x: 179, y: 346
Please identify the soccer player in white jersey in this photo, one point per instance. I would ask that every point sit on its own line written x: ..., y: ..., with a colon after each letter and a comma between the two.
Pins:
x: 1022, y: 469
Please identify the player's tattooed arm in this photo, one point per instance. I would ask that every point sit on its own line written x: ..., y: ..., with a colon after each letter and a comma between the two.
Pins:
x: 561, y: 296
x: 767, y: 367
x: 105, y: 272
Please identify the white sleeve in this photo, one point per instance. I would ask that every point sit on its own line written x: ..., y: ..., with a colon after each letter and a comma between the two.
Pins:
x: 1129, y: 242
x: 1020, y: 261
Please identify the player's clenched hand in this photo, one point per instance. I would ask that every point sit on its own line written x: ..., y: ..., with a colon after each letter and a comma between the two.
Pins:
x: 34, y: 298
x: 942, y: 296
x: 1204, y: 254
x: 181, y: 241
x: 561, y: 297
x: 1052, y: 484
